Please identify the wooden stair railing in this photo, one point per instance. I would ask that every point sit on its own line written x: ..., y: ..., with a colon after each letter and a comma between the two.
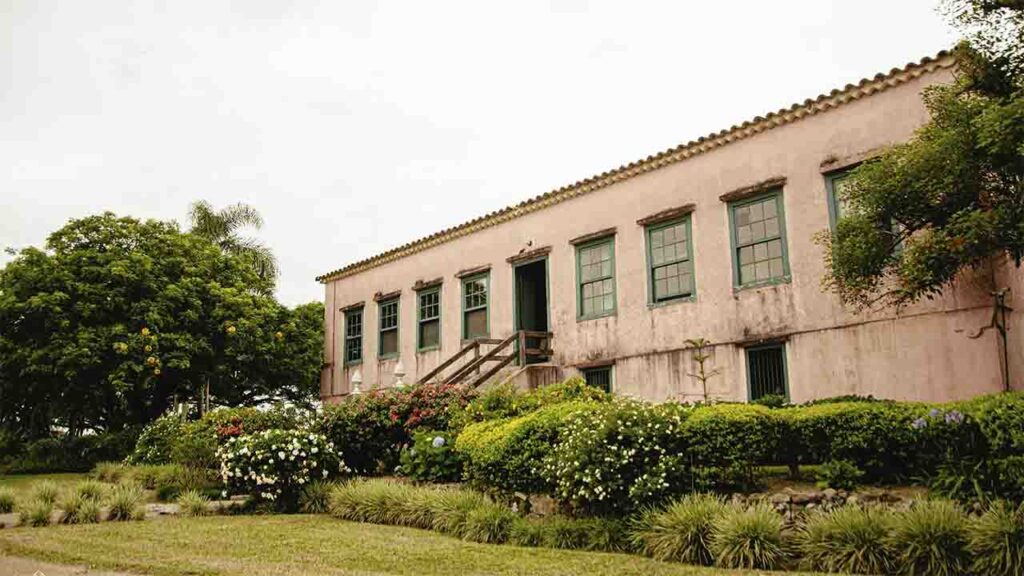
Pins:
x: 520, y: 353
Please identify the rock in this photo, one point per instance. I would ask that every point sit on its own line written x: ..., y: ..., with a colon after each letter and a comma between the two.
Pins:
x: 853, y: 499
x: 806, y: 497
x: 780, y: 498
x: 829, y: 493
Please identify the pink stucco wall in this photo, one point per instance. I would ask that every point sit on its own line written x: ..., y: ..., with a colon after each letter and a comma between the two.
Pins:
x: 921, y: 352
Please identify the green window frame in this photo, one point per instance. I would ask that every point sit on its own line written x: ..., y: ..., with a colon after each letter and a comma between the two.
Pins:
x: 353, y: 336
x: 476, y: 321
x: 834, y: 186
x: 767, y: 371
x: 757, y: 231
x: 837, y: 207
x: 595, y: 279
x: 601, y: 377
x: 428, y: 326
x: 388, y: 316
x: 670, y: 261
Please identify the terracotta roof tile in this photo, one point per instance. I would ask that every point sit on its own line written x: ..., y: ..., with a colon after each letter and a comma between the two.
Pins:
x: 796, y: 111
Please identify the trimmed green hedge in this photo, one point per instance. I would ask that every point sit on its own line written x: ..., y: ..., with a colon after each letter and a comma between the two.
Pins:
x: 640, y: 453
x: 506, y: 454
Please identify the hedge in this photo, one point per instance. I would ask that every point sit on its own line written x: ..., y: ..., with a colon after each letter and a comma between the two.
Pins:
x: 626, y: 453
x: 505, y: 454
x: 67, y: 453
x: 174, y: 439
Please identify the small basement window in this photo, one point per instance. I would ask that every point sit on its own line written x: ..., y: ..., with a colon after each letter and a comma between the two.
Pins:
x: 599, y: 377
x: 766, y: 371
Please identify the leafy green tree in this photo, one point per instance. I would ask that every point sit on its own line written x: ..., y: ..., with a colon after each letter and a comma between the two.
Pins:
x: 222, y: 228
x: 118, y: 318
x: 952, y: 198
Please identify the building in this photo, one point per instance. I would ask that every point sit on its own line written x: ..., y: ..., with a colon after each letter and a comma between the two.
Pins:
x: 712, y: 239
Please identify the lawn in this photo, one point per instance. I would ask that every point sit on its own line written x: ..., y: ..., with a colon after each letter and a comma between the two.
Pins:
x: 292, y: 545
x: 22, y: 483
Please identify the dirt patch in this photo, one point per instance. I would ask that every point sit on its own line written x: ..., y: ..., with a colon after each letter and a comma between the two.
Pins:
x: 16, y: 566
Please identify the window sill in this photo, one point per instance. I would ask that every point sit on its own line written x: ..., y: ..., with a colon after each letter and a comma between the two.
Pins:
x: 352, y: 363
x: 428, y: 349
x: 391, y: 356
x: 679, y: 300
x: 765, y: 284
x: 595, y: 316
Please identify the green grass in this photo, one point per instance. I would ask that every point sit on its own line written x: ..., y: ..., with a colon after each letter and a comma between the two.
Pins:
x: 293, y: 545
x: 22, y: 483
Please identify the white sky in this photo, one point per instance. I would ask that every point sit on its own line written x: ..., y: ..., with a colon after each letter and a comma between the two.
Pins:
x: 354, y: 127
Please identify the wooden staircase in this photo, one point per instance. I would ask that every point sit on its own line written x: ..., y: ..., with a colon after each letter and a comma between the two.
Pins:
x: 482, y: 366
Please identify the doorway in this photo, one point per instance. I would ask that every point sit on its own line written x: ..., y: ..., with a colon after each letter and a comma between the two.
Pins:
x: 531, y: 302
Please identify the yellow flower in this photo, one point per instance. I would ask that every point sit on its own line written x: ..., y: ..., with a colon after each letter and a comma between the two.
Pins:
x: 151, y: 360
x: 231, y: 329
x: 156, y: 371
x: 279, y: 335
x: 145, y: 331
x: 149, y: 348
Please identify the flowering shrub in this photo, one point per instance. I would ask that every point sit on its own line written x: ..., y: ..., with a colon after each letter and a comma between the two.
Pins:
x: 505, y: 455
x: 174, y: 439
x: 507, y: 401
x: 431, y: 458
x: 373, y: 427
x: 273, y: 466
x: 620, y: 456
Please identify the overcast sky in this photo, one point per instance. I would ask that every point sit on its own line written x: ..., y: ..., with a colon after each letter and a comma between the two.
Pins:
x: 357, y: 126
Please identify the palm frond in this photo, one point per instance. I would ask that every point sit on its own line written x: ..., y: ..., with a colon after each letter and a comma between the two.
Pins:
x: 205, y: 222
x: 260, y: 257
x: 240, y: 215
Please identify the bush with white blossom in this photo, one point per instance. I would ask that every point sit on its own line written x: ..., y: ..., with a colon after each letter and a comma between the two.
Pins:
x: 273, y: 466
x: 622, y: 456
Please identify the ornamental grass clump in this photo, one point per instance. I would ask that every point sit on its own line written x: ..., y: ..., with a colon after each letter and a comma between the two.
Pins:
x: 79, y: 508
x: 449, y: 510
x: 996, y: 540
x: 91, y: 490
x: 315, y: 497
x: 749, y: 538
x: 45, y: 491
x: 849, y: 539
x: 7, y: 500
x: 527, y: 532
x: 193, y: 503
x: 374, y: 501
x: 273, y: 466
x: 125, y: 503
x: 931, y: 539
x: 35, y: 513
x: 488, y: 524
x: 681, y: 532
x: 111, y: 472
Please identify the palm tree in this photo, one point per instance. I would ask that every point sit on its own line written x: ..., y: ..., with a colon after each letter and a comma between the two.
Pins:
x: 221, y: 227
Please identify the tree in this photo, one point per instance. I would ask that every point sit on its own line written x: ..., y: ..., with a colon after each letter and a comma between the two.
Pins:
x: 117, y: 318
x: 221, y: 227
x: 952, y: 198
